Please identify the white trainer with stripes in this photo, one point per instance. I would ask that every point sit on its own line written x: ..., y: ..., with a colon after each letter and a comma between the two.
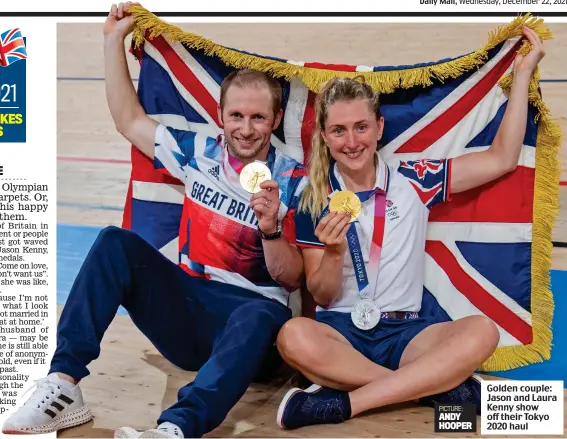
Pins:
x: 55, y: 404
x: 164, y: 430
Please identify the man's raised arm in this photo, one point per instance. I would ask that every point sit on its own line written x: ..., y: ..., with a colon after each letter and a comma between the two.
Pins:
x: 129, y: 117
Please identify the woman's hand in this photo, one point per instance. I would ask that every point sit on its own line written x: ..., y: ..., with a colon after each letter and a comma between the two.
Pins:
x: 332, y: 230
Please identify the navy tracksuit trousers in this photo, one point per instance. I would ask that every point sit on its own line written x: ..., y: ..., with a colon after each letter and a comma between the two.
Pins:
x: 227, y: 333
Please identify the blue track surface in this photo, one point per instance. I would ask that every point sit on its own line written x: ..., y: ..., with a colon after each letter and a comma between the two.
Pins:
x: 74, y: 242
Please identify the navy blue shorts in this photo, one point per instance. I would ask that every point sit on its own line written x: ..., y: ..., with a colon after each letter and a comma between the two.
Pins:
x: 384, y: 344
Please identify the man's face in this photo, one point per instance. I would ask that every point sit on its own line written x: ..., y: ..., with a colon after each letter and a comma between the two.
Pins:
x: 248, y: 121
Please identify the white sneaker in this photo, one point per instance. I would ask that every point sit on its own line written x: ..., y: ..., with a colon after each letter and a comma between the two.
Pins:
x: 55, y: 404
x: 157, y: 433
x: 164, y: 430
x: 127, y: 432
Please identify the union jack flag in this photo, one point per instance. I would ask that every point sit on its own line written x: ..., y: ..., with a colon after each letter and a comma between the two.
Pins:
x: 12, y: 47
x: 479, y: 253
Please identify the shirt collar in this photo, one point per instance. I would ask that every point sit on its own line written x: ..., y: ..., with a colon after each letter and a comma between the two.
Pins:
x: 237, y: 165
x: 382, y: 178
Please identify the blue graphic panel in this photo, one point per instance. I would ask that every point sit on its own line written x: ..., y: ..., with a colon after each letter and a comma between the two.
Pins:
x: 12, y: 98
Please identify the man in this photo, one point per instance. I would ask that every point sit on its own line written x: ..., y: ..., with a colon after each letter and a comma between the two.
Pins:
x: 221, y: 311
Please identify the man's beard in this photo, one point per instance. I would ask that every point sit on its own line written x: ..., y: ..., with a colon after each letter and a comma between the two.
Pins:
x: 246, y: 154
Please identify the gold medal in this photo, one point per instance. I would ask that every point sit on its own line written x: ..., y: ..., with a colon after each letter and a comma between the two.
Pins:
x: 252, y: 175
x: 346, y: 201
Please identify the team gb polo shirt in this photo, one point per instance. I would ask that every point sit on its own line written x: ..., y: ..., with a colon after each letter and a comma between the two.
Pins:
x: 413, y: 187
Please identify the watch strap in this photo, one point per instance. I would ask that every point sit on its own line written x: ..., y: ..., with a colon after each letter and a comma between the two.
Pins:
x: 270, y: 236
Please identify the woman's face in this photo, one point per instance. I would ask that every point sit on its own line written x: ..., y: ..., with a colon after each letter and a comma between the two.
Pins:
x: 352, y: 133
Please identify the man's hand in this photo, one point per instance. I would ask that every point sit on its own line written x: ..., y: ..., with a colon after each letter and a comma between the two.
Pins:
x: 127, y: 113
x: 283, y: 260
x: 332, y: 230
x: 119, y: 22
x: 266, y: 205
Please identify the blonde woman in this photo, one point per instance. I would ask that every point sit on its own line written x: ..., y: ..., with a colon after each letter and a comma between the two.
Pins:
x: 368, y: 347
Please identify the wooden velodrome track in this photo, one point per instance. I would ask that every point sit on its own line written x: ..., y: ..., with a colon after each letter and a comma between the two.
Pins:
x: 131, y: 383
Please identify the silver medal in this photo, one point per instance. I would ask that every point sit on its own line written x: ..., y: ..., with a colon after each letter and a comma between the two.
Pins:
x: 365, y: 314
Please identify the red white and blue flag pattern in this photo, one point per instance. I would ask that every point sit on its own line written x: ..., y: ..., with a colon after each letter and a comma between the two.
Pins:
x: 12, y: 47
x: 478, y: 258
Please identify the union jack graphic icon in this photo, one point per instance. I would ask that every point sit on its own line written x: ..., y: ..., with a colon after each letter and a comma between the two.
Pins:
x: 422, y: 167
x: 12, y: 47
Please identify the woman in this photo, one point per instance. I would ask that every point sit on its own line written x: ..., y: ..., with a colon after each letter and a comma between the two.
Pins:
x: 367, y: 346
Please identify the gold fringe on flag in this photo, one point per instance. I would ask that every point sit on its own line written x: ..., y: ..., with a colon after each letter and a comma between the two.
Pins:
x: 546, y: 190
x: 545, y: 210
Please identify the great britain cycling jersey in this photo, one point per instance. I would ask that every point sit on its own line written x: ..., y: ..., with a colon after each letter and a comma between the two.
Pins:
x: 218, y: 237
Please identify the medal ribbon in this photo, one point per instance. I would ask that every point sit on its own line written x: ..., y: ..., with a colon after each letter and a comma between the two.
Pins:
x: 377, y: 237
x: 233, y: 167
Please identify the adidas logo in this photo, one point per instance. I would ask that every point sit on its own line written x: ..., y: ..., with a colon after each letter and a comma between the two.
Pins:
x: 215, y: 171
x: 58, y: 406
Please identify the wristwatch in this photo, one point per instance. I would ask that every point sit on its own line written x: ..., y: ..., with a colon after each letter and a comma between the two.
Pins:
x: 270, y: 236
